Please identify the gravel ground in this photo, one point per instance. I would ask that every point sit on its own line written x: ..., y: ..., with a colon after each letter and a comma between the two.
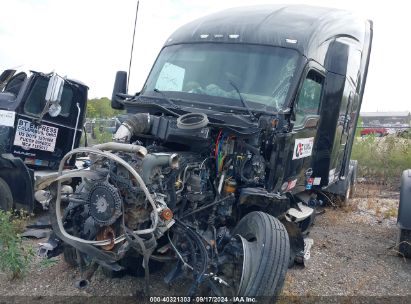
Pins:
x: 353, y: 257
x: 354, y: 253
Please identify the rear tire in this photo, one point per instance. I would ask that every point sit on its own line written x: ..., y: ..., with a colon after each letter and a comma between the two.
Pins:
x: 405, y: 243
x: 271, y: 254
x: 6, y: 197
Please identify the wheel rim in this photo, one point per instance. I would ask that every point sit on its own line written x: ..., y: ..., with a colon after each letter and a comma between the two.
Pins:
x: 241, y: 271
x: 249, y: 251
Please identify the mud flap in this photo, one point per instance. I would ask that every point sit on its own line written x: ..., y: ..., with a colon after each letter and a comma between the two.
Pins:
x: 341, y: 185
x: 296, y: 241
x: 304, y: 256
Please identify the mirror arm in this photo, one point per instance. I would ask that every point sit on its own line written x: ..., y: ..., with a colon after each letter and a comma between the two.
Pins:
x: 45, y: 109
x: 124, y: 96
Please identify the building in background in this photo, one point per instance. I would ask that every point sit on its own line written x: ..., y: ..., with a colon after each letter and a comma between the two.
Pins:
x: 386, y: 118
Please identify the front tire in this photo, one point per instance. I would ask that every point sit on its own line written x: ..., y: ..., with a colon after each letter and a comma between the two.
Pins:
x: 266, y: 257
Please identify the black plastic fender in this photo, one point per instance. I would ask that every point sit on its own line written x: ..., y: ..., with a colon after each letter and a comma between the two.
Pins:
x: 404, y: 209
x: 341, y: 185
x: 20, y: 179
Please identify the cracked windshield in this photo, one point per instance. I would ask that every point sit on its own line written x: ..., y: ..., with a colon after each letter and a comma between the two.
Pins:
x: 261, y: 74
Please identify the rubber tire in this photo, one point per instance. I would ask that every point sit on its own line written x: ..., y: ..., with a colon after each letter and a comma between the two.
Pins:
x: 70, y: 255
x: 271, y: 264
x: 404, y: 248
x: 6, y: 196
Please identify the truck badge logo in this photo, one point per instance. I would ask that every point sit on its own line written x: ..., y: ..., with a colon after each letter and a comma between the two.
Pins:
x: 299, y: 150
x: 303, y: 147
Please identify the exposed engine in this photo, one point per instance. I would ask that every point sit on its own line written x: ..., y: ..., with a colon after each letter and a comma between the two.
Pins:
x: 166, y: 197
x: 180, y: 183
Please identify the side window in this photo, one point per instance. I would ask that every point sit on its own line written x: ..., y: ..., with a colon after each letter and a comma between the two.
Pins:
x: 309, y: 98
x: 14, y: 85
x: 36, y: 99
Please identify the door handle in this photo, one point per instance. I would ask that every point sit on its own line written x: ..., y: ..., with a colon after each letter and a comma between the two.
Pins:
x: 311, y: 122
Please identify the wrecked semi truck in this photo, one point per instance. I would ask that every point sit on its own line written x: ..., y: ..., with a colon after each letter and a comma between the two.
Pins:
x: 243, y: 125
x: 41, y: 118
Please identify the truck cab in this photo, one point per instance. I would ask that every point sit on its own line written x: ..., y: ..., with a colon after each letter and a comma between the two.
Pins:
x: 303, y: 67
x: 41, y: 119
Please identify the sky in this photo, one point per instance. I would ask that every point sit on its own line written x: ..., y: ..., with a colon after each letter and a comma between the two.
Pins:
x: 90, y: 40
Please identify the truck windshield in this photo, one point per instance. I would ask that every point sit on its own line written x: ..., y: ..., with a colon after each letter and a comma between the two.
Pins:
x: 262, y: 74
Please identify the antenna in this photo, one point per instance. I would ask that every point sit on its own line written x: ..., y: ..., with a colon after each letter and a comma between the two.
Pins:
x: 132, y: 45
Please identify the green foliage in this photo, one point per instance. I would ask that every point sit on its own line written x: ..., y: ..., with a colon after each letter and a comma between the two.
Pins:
x: 102, y: 136
x: 405, y: 134
x: 101, y: 108
x: 47, y: 263
x: 382, y: 159
x: 359, y: 124
x: 14, y: 256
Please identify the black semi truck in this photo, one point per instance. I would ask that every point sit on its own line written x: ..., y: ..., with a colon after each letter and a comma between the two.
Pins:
x: 41, y: 118
x: 246, y: 120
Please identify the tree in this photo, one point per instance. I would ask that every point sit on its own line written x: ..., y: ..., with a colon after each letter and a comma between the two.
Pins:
x: 101, y: 108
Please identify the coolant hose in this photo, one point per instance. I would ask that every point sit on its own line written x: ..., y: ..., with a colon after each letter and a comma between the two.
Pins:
x: 115, y: 146
x: 136, y: 124
x: 122, y: 162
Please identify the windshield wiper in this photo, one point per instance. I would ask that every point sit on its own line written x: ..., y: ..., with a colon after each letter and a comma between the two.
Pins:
x: 245, y: 105
x: 166, y: 98
x: 139, y: 101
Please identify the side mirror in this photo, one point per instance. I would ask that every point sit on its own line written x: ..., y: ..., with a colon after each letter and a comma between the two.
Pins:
x: 53, y: 97
x: 54, y: 89
x: 120, y: 87
x: 54, y: 109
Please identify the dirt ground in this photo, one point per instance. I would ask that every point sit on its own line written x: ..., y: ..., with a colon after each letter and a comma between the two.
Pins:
x: 353, y: 259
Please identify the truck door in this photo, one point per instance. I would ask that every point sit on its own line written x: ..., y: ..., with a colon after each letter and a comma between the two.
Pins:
x: 343, y: 131
x: 349, y: 130
x: 306, y: 111
x: 346, y: 121
x: 42, y: 144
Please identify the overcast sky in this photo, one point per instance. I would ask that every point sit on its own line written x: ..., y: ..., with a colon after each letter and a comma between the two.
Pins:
x: 90, y: 40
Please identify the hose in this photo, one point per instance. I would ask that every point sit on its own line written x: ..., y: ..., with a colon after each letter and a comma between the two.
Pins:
x: 115, y: 146
x: 203, y: 254
x: 140, y: 123
x: 126, y: 166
